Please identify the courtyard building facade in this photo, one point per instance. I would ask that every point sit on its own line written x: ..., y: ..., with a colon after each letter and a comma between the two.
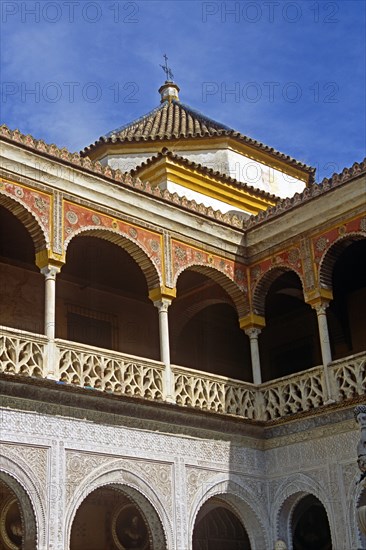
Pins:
x: 182, y: 342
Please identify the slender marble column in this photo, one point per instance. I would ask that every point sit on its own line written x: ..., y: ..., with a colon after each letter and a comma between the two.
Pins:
x: 320, y: 309
x: 50, y: 273
x: 253, y: 334
x: 163, y: 306
x: 323, y: 332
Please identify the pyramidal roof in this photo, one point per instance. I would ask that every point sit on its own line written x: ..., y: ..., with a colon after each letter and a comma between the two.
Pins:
x: 173, y: 120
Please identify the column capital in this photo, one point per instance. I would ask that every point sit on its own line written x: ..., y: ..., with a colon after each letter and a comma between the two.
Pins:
x: 46, y: 258
x: 252, y: 321
x: 320, y: 307
x: 162, y: 293
x: 50, y: 271
x: 162, y: 304
x: 253, y: 332
x: 318, y: 296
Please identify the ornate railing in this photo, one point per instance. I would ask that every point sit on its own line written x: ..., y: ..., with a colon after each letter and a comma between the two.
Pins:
x: 214, y: 393
x: 349, y: 376
x: 22, y: 352
x: 295, y: 393
x: 109, y: 371
x: 28, y: 354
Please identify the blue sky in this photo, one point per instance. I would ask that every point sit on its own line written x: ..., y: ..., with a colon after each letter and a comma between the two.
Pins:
x: 288, y: 73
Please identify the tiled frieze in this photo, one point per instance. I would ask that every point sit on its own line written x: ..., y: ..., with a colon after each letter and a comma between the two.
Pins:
x: 78, y: 218
x: 185, y: 256
x: 322, y: 242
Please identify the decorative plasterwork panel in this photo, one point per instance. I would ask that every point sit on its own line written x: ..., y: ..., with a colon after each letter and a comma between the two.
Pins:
x: 78, y: 218
x: 34, y: 457
x: 184, y: 256
x: 323, y: 241
x: 288, y: 259
x: 36, y: 202
x: 156, y: 474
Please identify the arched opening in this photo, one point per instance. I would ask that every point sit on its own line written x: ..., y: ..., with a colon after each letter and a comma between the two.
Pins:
x: 17, y: 522
x: 108, y: 518
x: 205, y: 332
x: 102, y: 299
x: 217, y: 527
x: 20, y: 279
x: 310, y: 526
x: 346, y: 313
x: 289, y: 342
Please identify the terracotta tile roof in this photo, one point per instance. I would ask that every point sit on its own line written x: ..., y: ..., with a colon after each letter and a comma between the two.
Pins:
x: 174, y: 120
x: 125, y: 179
x: 327, y: 184
x: 215, y: 174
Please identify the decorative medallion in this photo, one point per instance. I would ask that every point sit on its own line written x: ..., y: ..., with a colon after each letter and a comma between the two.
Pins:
x: 154, y: 245
x: 19, y: 192
x: 132, y: 232
x: 95, y: 219
x: 72, y: 217
x: 363, y: 224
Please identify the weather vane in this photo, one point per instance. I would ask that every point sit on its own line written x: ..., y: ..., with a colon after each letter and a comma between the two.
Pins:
x: 166, y: 69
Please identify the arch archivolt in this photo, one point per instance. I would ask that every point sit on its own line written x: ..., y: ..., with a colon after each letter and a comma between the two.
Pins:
x: 148, y: 265
x: 33, y: 510
x: 263, y: 283
x: 331, y: 253
x: 236, y: 495
x: 31, y: 208
x: 238, y: 296
x: 287, y: 496
x: 123, y: 477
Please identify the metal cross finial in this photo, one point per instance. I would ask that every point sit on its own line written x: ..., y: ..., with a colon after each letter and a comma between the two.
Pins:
x: 168, y: 72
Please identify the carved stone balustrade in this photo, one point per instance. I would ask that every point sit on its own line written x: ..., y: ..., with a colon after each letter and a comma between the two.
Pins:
x: 113, y: 372
x: 22, y: 352
x: 295, y: 393
x: 214, y: 393
x: 27, y: 354
x: 348, y: 375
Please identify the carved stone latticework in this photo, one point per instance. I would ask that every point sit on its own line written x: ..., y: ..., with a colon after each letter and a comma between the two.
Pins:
x: 350, y: 376
x: 213, y: 394
x: 110, y: 372
x: 300, y: 392
x: 22, y: 354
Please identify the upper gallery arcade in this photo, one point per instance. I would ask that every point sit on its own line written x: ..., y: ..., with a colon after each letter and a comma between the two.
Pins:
x: 201, y: 253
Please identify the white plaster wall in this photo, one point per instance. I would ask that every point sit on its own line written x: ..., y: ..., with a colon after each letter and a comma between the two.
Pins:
x: 247, y: 170
x: 125, y: 162
x: 67, y: 457
x: 200, y: 198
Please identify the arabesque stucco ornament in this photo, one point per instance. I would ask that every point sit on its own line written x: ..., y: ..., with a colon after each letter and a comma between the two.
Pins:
x: 360, y: 416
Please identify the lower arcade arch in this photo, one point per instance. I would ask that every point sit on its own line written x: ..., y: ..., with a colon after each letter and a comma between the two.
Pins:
x: 303, y: 523
x: 118, y: 517
x: 241, y: 521
x: 218, y: 527
x: 18, y: 528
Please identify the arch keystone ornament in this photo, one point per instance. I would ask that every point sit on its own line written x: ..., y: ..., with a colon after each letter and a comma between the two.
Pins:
x: 360, y: 417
